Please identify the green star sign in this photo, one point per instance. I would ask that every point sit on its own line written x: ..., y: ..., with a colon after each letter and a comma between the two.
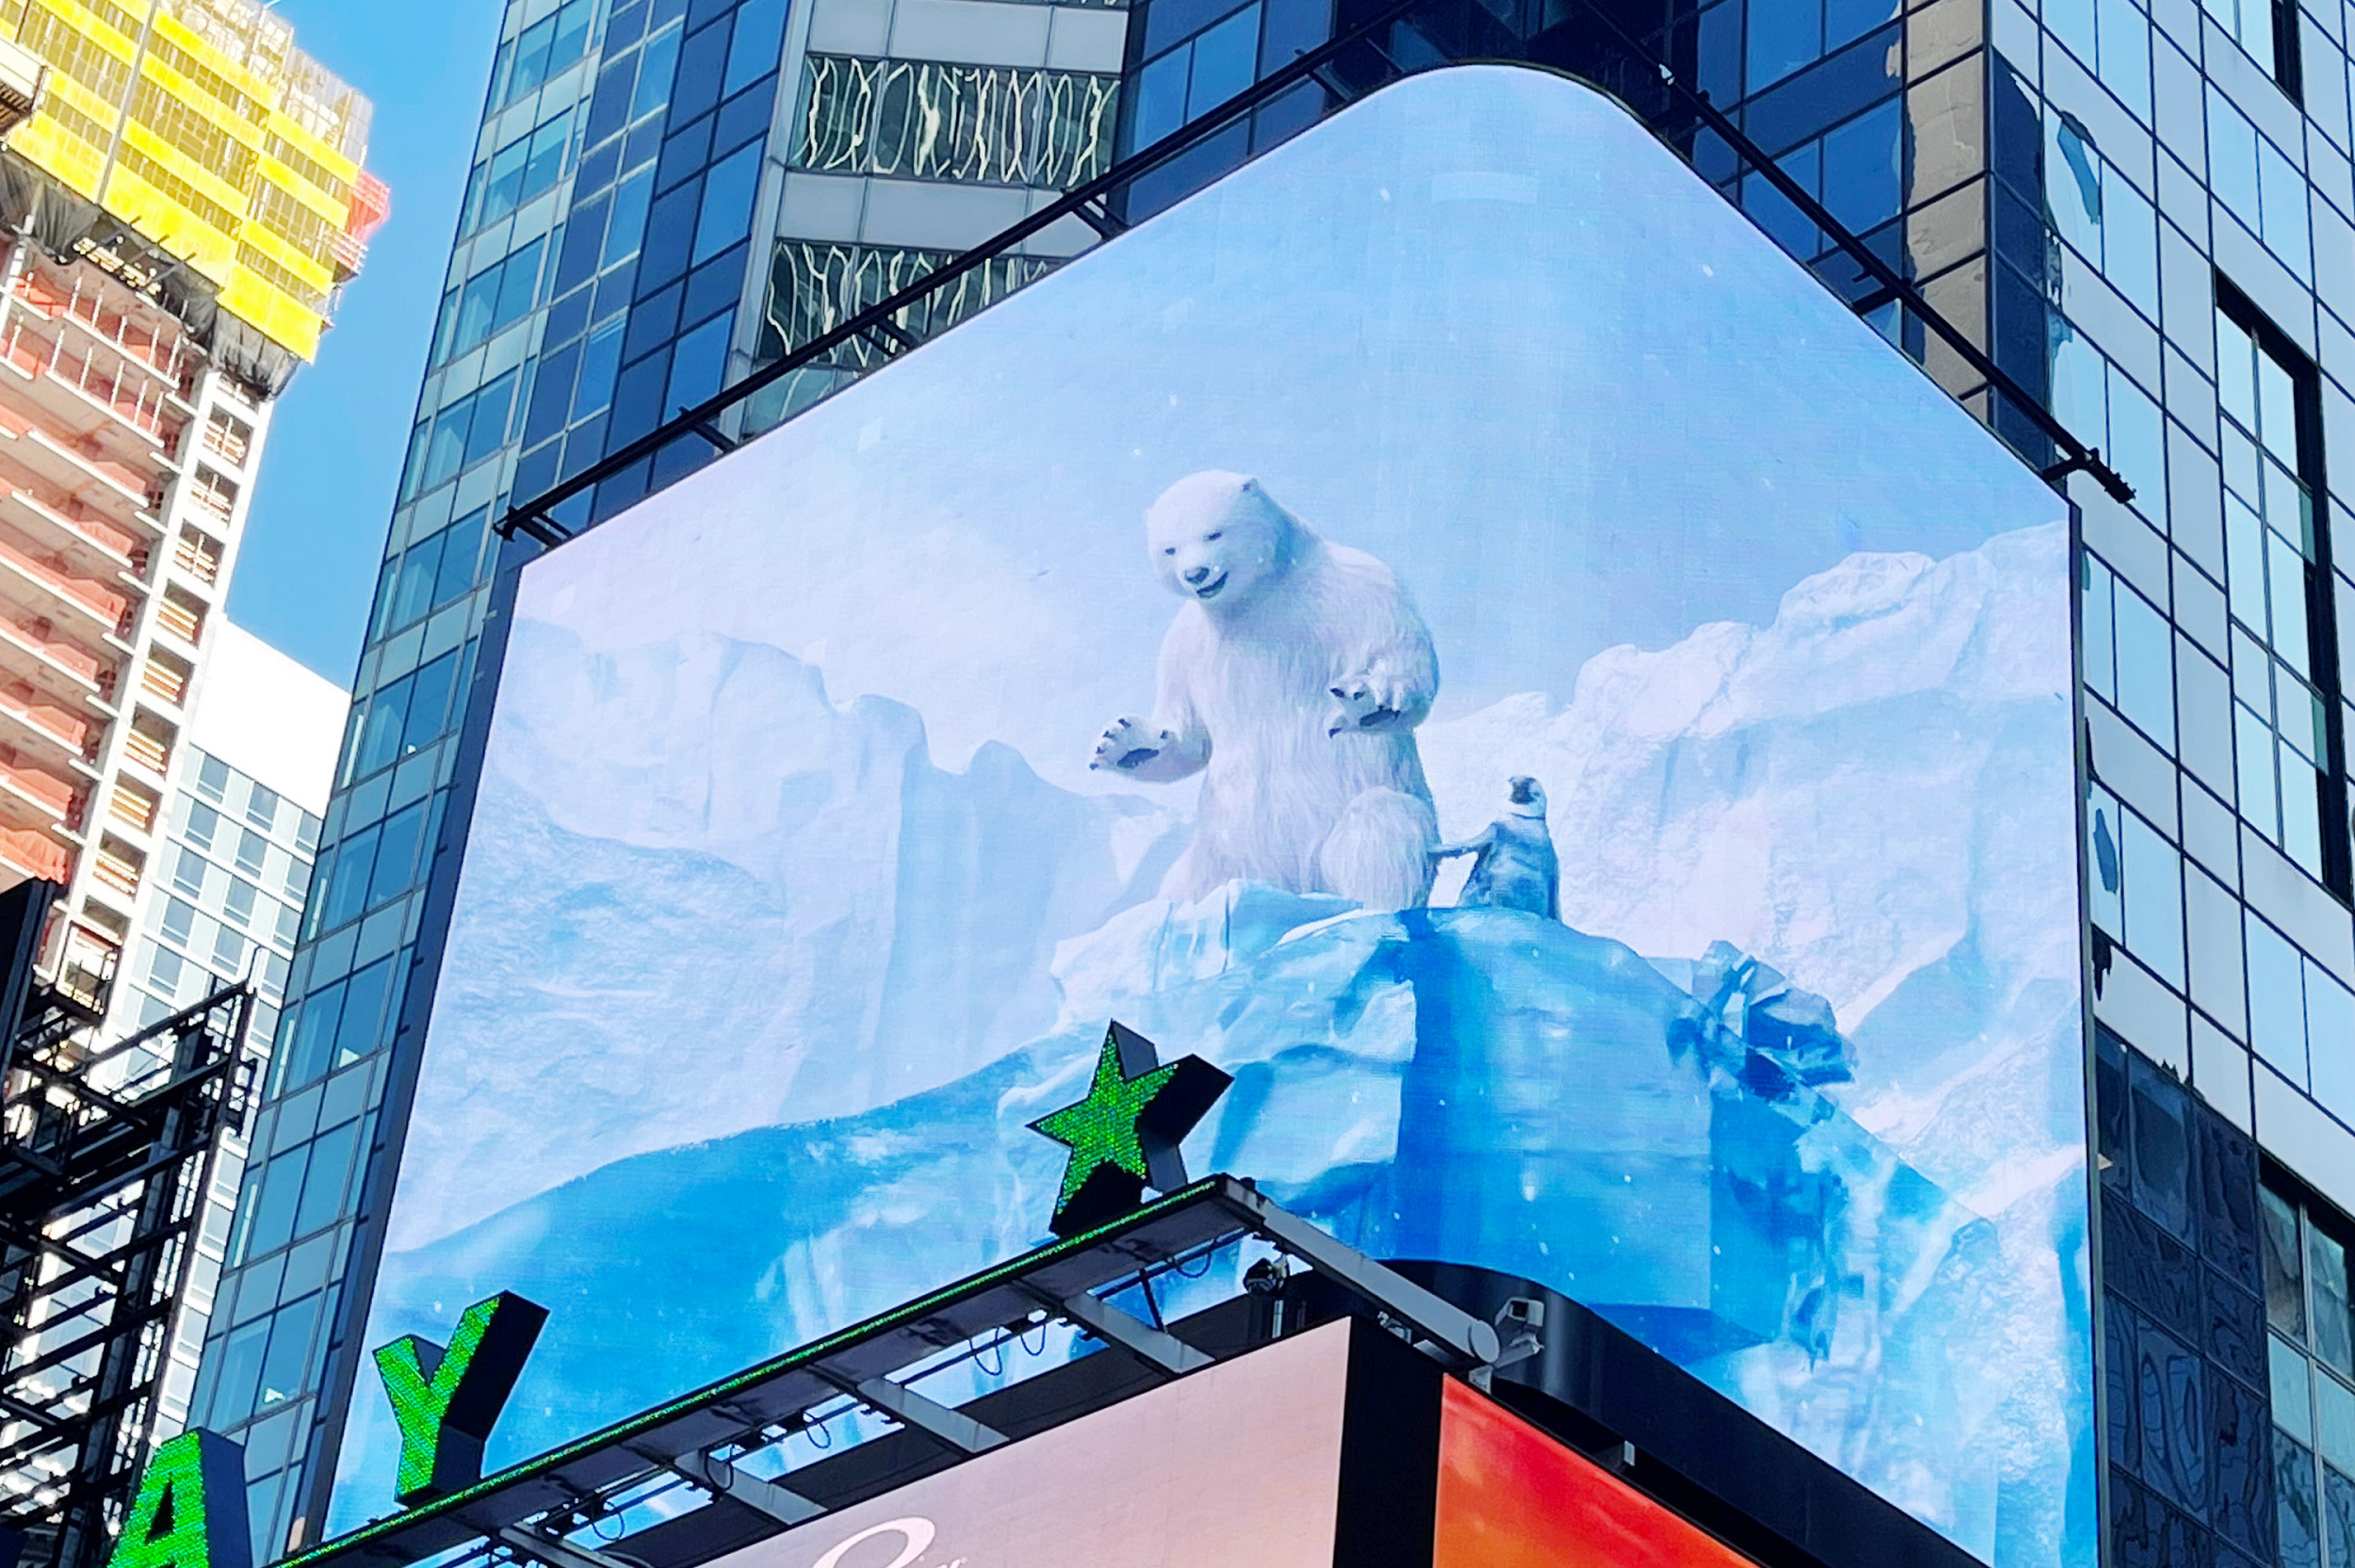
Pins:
x: 1123, y: 1136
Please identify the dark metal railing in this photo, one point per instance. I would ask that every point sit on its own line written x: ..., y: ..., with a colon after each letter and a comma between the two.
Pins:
x: 879, y: 324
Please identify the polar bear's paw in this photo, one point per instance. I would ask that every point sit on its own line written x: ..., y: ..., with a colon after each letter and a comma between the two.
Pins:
x: 1132, y: 746
x: 1370, y: 702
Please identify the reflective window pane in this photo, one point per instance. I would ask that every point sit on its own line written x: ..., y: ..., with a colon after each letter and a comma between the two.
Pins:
x: 2292, y: 1390
x: 2284, y: 1267
x: 2326, y: 1265
x: 1000, y: 126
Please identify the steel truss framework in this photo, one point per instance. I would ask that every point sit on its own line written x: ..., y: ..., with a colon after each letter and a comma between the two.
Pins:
x: 1359, y: 57
x: 570, y: 1508
x: 105, y: 1155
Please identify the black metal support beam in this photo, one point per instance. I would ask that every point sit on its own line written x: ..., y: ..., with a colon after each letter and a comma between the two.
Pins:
x: 879, y: 1362
x: 100, y: 1194
x: 1092, y: 203
x: 722, y: 1480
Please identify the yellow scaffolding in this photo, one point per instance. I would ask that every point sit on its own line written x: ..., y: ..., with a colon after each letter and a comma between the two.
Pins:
x: 199, y: 125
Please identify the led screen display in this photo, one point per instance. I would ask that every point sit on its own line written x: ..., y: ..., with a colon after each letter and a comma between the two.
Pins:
x: 1512, y: 1497
x: 1237, y: 1466
x: 1451, y: 627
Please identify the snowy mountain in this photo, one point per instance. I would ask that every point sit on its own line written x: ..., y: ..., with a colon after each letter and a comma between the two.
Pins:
x: 1870, y: 793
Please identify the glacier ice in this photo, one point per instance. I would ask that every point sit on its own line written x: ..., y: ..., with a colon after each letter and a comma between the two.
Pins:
x: 1792, y: 1092
x: 1400, y: 1078
x: 788, y: 892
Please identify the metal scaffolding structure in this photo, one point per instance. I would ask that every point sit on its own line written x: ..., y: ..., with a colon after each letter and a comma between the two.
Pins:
x: 106, y: 1151
x: 708, y: 1455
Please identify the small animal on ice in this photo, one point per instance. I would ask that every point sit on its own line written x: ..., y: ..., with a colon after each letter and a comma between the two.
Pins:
x: 1515, y: 866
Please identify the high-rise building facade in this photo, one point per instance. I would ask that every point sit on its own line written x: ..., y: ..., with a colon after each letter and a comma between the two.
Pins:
x: 225, y: 906
x: 183, y: 205
x: 2144, y: 216
x: 665, y: 194
x: 2132, y: 223
x: 100, y: 1360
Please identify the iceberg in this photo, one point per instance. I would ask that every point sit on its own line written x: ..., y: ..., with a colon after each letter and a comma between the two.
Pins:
x: 739, y: 904
x: 1476, y: 1086
x: 1792, y: 1091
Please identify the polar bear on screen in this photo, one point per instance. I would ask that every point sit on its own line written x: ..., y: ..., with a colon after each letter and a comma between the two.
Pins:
x: 1293, y: 680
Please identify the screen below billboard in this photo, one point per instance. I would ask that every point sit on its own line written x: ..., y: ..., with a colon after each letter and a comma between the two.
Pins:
x: 1237, y: 1466
x: 1242, y: 1466
x: 1451, y: 627
x: 1510, y: 1497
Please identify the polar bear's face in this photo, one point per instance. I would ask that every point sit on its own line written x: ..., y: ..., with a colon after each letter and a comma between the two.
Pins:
x: 1215, y: 536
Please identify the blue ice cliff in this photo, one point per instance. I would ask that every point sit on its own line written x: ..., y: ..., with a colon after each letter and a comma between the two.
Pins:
x: 798, y: 990
x: 1479, y: 1086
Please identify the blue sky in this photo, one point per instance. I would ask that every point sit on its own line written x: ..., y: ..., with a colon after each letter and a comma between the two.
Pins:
x: 317, y: 531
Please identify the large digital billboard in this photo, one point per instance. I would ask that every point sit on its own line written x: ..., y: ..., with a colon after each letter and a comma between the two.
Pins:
x: 1451, y: 627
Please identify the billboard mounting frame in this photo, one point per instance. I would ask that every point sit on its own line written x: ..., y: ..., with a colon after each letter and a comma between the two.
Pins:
x: 535, y: 517
x: 529, y: 1508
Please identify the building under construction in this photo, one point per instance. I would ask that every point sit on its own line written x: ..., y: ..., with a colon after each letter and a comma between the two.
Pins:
x: 181, y: 196
x: 182, y: 203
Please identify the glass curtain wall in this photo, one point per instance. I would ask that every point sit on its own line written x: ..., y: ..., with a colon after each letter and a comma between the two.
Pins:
x: 593, y: 286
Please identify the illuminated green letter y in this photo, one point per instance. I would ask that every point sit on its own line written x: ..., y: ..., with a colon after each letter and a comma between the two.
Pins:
x: 446, y: 1401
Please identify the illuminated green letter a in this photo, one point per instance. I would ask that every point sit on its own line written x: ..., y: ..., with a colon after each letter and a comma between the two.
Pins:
x: 446, y: 1401
x: 189, y: 1512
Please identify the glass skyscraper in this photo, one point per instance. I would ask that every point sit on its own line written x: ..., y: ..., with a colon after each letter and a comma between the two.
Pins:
x: 664, y: 193
x: 2141, y: 215
x: 225, y: 907
x: 2144, y: 215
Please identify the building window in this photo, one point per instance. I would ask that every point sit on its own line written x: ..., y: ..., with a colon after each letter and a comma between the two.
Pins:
x: 2136, y: 888
x: 2302, y: 1019
x: 1180, y: 84
x: 814, y: 287
x: 1785, y: 38
x: 2114, y: 37
x: 545, y: 49
x: 2285, y: 729
x: 227, y: 437
x: 492, y: 301
x: 2268, y: 30
x: 518, y: 171
x: 2260, y: 185
x: 461, y: 434
x: 2099, y: 213
x: 2311, y: 1358
x: 1856, y: 170
x: 975, y: 123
